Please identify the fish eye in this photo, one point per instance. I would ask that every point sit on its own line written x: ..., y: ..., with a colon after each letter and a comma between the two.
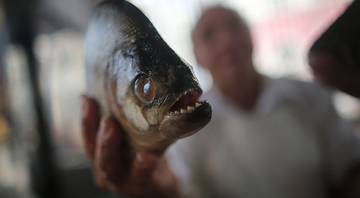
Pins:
x: 145, y: 89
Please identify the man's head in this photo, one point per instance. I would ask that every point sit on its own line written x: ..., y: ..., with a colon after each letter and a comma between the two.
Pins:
x: 223, y: 45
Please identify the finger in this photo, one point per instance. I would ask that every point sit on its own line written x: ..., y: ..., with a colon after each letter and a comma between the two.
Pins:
x: 143, y: 166
x: 165, y: 178
x: 108, y: 153
x: 89, y: 125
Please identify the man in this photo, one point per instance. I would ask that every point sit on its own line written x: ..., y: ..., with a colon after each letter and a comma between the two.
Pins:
x: 267, y: 138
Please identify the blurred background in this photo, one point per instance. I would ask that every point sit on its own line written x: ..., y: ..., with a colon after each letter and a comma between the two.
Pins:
x: 42, y: 77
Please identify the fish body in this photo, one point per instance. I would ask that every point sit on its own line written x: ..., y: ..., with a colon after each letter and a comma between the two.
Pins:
x: 138, y: 79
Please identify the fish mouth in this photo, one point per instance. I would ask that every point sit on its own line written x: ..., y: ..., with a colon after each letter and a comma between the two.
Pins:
x: 186, y: 115
x: 186, y: 102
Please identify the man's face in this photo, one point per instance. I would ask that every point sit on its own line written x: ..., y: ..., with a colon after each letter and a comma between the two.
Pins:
x: 222, y: 44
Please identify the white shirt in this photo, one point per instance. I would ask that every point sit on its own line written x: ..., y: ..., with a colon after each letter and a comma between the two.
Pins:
x: 292, y: 145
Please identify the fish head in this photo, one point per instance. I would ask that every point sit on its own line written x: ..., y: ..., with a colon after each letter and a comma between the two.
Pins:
x: 152, y: 92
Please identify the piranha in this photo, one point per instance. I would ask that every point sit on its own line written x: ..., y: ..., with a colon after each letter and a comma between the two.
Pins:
x: 139, y: 80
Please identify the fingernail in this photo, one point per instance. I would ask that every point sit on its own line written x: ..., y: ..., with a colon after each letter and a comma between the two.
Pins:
x: 106, y: 127
x: 85, y: 104
x: 104, y: 122
x: 140, y: 158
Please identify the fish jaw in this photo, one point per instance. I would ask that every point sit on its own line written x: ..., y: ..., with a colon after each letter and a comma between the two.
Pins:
x: 186, y: 116
x: 187, y: 122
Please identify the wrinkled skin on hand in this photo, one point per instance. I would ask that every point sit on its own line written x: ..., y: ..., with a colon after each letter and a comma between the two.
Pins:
x: 145, y: 175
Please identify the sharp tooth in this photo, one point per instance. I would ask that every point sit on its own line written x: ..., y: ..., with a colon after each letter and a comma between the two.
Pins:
x: 176, y: 112
x: 185, y: 92
x: 171, y: 112
x: 190, y: 108
x: 183, y: 111
x: 197, y: 104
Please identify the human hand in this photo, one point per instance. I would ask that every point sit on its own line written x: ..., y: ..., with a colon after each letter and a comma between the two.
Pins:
x: 142, y: 175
